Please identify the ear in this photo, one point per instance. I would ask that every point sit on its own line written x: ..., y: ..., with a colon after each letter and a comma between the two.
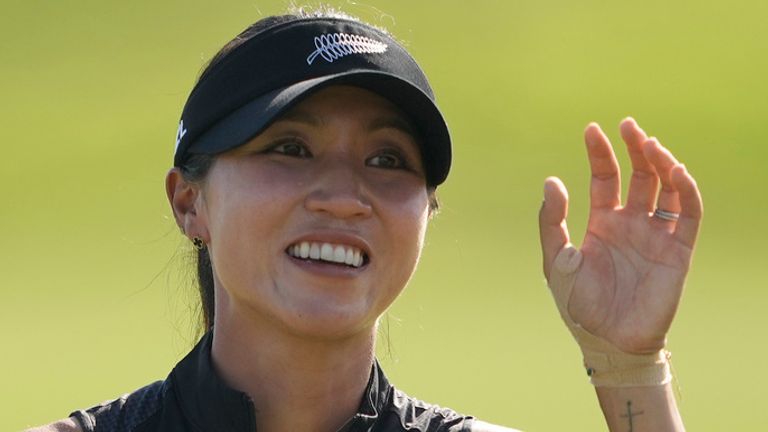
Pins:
x: 186, y: 201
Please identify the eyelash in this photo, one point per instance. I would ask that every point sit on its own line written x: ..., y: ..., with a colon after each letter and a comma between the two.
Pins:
x: 280, y: 147
x: 400, y: 160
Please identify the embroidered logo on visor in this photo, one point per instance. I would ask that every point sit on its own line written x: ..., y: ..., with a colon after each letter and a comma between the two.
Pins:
x: 180, y: 132
x: 336, y: 45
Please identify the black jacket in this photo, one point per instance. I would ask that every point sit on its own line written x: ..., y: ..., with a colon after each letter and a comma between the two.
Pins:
x: 194, y: 398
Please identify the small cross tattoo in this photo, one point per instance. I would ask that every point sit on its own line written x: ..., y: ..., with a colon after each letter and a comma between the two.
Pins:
x: 629, y: 415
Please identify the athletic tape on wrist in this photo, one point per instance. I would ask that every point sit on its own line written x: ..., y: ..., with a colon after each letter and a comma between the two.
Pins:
x: 607, y: 366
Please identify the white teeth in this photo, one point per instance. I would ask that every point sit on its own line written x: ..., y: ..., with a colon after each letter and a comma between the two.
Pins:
x: 326, y: 252
x: 340, y: 254
x: 314, y: 251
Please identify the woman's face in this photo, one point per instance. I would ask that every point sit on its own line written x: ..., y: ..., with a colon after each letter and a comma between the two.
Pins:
x: 338, y: 178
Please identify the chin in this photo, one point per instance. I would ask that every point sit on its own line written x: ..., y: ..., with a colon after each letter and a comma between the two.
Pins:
x: 328, y: 322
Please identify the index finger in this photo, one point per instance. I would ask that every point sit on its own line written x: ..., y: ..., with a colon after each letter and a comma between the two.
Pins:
x: 605, y: 187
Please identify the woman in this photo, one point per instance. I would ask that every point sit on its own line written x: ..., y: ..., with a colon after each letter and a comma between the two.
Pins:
x: 306, y: 164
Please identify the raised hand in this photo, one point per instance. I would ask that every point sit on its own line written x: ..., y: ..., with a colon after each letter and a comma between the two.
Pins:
x: 634, y: 263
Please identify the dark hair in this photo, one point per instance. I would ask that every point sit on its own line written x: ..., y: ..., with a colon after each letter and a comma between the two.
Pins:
x: 196, y: 167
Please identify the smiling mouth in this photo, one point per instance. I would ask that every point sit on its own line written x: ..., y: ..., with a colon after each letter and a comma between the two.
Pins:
x: 328, y: 253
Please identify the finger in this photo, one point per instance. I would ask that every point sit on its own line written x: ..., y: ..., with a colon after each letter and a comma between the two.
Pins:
x: 663, y: 161
x: 644, y: 182
x: 605, y: 187
x: 552, y: 227
x: 691, y: 206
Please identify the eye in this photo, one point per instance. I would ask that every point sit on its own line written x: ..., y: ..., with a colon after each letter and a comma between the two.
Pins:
x: 291, y: 147
x: 389, y: 159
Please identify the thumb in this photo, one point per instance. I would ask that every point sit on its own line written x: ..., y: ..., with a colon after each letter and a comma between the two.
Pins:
x: 552, y: 228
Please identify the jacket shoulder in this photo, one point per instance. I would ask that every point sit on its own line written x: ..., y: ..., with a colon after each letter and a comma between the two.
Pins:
x: 124, y: 414
x: 65, y: 425
x: 414, y: 414
x: 405, y: 413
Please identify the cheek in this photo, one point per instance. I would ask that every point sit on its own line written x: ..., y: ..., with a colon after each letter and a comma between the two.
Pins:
x: 409, y: 195
x: 407, y: 231
x: 245, y: 196
x: 405, y: 210
x: 244, y: 207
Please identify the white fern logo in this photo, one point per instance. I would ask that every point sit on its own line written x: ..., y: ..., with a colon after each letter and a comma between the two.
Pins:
x: 180, y: 132
x: 337, y: 45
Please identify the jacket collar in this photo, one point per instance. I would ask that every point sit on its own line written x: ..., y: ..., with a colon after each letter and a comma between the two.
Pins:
x: 208, y: 403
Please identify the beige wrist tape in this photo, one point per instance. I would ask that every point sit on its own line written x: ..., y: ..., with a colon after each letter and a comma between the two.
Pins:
x: 606, y: 365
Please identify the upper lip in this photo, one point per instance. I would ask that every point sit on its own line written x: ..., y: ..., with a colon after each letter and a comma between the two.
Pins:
x: 334, y: 237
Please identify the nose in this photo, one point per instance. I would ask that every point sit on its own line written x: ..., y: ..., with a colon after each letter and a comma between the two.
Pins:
x: 339, y: 191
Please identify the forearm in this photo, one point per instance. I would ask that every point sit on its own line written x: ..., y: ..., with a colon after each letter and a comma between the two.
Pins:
x: 640, y: 409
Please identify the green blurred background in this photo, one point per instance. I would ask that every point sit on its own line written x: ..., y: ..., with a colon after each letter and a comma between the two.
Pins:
x: 96, y: 297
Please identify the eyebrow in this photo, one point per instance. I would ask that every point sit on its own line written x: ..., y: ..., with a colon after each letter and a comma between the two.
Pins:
x: 384, y: 122
x: 393, y: 122
x: 300, y: 117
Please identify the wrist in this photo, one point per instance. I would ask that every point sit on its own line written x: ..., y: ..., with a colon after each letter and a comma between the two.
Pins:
x: 608, y: 366
x: 615, y: 368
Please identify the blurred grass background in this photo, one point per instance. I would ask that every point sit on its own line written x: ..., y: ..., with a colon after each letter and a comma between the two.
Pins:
x: 96, y: 299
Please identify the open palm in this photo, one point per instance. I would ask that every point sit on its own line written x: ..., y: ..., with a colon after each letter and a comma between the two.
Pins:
x: 634, y: 264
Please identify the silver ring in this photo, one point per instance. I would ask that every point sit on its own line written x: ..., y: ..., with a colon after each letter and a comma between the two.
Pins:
x: 666, y: 215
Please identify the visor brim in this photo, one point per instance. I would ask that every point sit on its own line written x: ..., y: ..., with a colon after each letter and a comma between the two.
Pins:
x: 252, y: 118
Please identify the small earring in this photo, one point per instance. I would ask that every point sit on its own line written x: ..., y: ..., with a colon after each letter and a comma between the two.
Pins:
x: 198, y: 243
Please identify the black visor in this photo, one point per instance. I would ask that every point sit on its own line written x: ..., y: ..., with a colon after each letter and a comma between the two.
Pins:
x: 278, y: 67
